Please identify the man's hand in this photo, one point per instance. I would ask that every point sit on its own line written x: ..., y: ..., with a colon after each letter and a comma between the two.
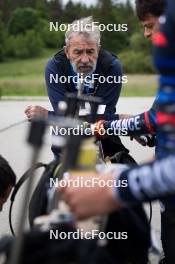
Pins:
x: 33, y: 111
x: 87, y: 201
x: 139, y: 139
x: 99, y: 130
x: 147, y: 140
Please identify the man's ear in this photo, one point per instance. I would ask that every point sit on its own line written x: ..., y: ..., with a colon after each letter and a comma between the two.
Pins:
x: 65, y: 48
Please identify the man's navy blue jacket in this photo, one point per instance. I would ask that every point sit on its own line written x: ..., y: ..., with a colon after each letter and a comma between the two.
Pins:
x: 107, y: 65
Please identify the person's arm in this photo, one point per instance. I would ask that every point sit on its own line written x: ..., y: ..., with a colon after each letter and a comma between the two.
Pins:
x: 144, y: 123
x: 56, y: 91
x: 141, y: 124
x: 148, y: 182
x: 120, y: 188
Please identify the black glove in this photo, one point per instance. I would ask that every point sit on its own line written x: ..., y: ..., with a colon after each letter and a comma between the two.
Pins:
x: 146, y: 140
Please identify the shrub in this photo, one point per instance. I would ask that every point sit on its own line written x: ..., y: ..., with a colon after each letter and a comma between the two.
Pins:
x: 51, y: 39
x: 139, y: 43
x: 26, y: 45
x: 34, y: 43
x: 136, y: 62
x: 22, y: 20
x: 3, y: 34
x: 2, y: 55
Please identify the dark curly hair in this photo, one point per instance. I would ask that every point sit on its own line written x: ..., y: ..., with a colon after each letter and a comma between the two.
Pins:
x: 7, y: 176
x: 145, y: 7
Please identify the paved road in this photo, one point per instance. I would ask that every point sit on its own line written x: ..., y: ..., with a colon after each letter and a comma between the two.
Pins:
x: 16, y: 150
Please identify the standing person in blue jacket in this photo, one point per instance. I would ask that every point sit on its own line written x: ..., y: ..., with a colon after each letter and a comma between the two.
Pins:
x: 82, y: 56
x: 150, y: 181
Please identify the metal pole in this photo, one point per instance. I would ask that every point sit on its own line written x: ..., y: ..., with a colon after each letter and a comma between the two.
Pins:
x: 35, y: 138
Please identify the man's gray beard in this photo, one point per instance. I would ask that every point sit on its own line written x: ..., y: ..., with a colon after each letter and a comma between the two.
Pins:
x: 84, y: 74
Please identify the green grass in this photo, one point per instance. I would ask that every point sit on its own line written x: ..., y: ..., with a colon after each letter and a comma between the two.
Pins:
x: 26, y: 77
x: 140, y: 85
x: 26, y: 87
x: 25, y: 68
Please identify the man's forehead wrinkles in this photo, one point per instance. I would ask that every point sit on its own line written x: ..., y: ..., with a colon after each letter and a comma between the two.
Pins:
x: 83, y: 48
x: 82, y: 44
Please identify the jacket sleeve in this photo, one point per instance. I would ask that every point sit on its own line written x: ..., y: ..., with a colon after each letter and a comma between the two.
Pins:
x: 148, y: 182
x: 56, y: 90
x: 140, y: 124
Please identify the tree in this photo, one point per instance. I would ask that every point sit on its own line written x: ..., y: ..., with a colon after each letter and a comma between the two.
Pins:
x: 139, y: 43
x: 109, y: 13
x: 23, y: 19
x: 73, y: 11
x: 2, y: 39
x: 5, y: 7
x: 55, y: 10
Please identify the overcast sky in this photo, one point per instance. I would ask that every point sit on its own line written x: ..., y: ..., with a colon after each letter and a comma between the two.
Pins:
x: 89, y: 2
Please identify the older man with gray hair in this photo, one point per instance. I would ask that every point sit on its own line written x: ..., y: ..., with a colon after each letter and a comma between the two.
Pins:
x: 82, y: 56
